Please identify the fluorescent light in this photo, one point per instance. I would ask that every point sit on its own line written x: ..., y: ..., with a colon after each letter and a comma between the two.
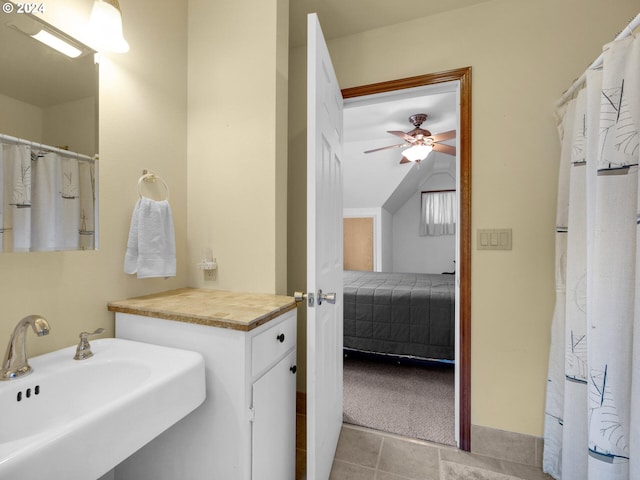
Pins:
x: 417, y: 153
x: 105, y: 27
x: 57, y: 43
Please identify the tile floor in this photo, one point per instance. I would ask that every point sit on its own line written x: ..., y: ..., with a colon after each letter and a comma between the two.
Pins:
x: 365, y: 454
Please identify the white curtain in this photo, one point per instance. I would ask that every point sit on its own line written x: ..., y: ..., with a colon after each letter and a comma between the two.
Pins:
x: 592, y: 421
x: 87, y: 204
x: 18, y: 184
x: 47, y: 201
x: 438, y: 213
x: 55, y: 208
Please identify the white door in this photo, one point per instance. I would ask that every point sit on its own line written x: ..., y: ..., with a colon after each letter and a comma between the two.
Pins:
x: 324, y: 256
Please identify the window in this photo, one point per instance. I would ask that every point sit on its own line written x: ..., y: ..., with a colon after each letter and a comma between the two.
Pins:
x: 438, y: 213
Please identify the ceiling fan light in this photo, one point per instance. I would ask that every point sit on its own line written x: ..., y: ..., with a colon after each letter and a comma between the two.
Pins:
x: 417, y: 153
x: 105, y: 27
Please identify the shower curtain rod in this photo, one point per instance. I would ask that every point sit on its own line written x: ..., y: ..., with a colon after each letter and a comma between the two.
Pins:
x: 49, y: 148
x: 628, y: 30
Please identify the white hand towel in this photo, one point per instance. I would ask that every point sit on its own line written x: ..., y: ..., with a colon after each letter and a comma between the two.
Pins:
x: 151, y: 247
x: 131, y: 256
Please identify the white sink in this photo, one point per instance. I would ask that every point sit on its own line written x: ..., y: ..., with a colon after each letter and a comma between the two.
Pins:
x: 77, y: 419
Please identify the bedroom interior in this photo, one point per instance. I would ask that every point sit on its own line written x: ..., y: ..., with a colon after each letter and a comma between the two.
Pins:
x: 399, y: 313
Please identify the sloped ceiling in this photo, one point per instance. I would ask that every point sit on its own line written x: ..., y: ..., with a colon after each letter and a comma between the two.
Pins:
x: 377, y: 179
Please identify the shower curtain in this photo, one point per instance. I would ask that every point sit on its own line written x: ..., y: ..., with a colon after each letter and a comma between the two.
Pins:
x: 592, y: 417
x: 47, y: 201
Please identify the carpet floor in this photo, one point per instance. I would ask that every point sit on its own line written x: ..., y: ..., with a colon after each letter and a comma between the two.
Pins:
x: 410, y: 400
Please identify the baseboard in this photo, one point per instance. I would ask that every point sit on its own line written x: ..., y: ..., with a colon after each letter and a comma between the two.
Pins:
x: 504, y: 445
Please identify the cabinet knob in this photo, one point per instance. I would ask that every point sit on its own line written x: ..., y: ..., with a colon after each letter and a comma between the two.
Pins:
x: 293, y: 369
x: 280, y: 338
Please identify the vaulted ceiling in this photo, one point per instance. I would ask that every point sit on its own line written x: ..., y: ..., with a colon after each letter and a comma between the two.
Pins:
x: 377, y: 179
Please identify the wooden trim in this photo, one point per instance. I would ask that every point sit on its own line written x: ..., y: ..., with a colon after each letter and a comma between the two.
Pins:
x: 465, y: 259
x: 462, y: 75
x: 301, y: 403
x: 458, y: 74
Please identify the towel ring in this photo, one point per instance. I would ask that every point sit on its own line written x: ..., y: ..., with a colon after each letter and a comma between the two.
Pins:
x: 149, y: 176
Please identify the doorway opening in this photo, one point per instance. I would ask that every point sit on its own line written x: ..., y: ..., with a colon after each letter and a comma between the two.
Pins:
x: 442, y: 87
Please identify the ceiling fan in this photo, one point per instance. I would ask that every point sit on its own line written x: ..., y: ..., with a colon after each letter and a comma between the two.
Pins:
x: 419, y: 141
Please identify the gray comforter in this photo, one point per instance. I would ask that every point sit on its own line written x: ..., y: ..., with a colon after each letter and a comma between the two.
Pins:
x: 406, y: 314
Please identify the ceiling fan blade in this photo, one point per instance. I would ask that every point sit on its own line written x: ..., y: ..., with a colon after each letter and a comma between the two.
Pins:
x: 439, y: 137
x: 448, y: 149
x: 402, y: 135
x: 386, y: 148
x: 404, y: 160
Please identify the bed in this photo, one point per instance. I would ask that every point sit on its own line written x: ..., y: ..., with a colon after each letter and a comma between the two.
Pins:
x: 403, y: 314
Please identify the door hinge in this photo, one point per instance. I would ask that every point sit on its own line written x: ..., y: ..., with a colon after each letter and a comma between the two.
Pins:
x: 252, y: 414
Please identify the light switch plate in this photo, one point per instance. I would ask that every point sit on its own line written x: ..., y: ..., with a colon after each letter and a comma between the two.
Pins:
x: 494, y: 239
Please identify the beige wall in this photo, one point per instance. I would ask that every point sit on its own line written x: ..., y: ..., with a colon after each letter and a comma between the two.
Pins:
x: 20, y: 119
x: 523, y: 55
x: 142, y: 125
x: 69, y: 125
x: 237, y: 142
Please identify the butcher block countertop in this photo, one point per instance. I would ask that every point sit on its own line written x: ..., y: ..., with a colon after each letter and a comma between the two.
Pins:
x: 215, y: 308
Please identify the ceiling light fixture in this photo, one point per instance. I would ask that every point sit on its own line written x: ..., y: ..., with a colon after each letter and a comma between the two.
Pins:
x: 57, y: 43
x: 417, y: 153
x: 105, y: 27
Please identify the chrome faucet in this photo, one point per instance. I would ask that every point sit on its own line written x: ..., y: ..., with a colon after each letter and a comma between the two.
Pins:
x: 83, y: 350
x: 14, y: 364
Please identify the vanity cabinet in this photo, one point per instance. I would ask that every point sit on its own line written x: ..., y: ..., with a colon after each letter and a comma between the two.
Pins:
x: 245, y: 429
x: 273, y: 423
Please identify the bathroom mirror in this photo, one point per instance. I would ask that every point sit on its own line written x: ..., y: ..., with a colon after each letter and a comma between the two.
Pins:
x: 48, y: 139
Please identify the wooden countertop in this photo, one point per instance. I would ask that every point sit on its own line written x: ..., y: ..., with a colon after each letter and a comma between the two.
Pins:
x: 215, y: 308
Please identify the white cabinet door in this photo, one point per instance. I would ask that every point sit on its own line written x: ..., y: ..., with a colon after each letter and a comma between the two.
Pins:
x: 274, y: 425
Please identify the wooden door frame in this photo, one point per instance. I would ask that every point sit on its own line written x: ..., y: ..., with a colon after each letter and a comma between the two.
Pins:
x: 462, y: 75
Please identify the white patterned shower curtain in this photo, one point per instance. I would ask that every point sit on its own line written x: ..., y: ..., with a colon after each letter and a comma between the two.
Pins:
x: 47, y: 200
x: 592, y: 421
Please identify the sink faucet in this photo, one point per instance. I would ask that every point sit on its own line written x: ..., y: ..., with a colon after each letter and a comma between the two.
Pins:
x: 15, y: 363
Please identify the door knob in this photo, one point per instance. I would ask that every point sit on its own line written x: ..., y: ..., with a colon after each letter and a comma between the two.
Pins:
x: 301, y: 296
x: 280, y: 337
x: 328, y: 297
x: 293, y: 369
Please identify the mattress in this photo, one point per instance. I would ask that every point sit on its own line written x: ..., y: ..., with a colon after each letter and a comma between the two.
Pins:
x: 405, y: 314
